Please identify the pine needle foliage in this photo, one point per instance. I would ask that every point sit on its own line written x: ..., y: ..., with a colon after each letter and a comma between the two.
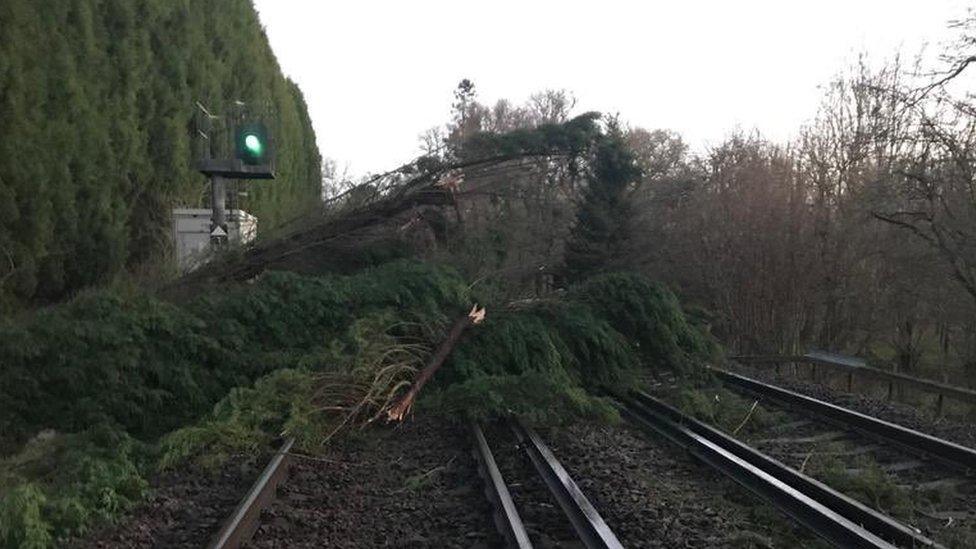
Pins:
x: 310, y: 357
x: 649, y: 316
x: 602, y: 233
x: 326, y: 353
x: 375, y: 362
x: 151, y: 366
x: 545, y: 361
x: 246, y: 421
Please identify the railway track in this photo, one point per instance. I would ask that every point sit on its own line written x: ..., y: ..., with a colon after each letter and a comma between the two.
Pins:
x: 950, y: 454
x: 535, y: 502
x: 831, y: 454
x: 240, y: 526
x: 540, y: 489
x: 828, y: 514
x: 937, y: 477
x: 579, y: 523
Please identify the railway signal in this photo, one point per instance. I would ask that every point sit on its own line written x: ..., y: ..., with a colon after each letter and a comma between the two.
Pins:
x: 253, y: 158
x: 252, y: 144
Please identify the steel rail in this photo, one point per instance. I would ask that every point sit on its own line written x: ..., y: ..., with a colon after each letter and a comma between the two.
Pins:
x: 589, y: 525
x: 854, y: 365
x: 829, y: 514
x: 945, y: 451
x: 244, y: 521
x: 507, y: 520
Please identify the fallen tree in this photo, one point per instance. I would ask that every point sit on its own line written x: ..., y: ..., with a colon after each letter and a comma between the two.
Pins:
x: 396, y: 200
x: 397, y: 411
x: 315, y: 356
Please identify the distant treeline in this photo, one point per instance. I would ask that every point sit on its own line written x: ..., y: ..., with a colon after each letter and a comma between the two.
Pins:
x: 97, y: 116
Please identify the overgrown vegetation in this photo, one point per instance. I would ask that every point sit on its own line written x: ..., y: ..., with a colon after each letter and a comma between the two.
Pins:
x: 345, y: 389
x: 727, y: 410
x: 149, y: 366
x: 325, y: 354
x: 98, y: 101
x: 59, y: 484
x: 544, y: 360
x: 135, y: 367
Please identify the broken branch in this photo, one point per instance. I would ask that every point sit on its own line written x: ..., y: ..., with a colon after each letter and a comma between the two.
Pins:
x: 402, y: 407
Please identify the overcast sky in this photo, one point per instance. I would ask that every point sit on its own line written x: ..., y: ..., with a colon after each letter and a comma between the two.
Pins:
x: 377, y: 74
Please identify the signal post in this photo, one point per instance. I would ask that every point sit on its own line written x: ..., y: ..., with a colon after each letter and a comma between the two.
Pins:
x: 253, y: 159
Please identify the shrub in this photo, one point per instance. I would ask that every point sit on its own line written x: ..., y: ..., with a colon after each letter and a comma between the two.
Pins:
x: 139, y: 362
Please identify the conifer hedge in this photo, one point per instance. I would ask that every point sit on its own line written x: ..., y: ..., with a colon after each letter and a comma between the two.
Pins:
x: 97, y: 101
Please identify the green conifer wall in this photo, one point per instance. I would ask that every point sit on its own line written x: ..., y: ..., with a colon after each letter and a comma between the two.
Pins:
x: 97, y: 106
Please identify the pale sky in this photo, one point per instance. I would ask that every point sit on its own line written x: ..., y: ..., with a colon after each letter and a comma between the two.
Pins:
x: 376, y: 74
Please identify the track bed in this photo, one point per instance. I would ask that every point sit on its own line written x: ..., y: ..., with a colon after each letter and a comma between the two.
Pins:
x: 186, y: 508
x: 654, y: 495
x: 918, y: 481
x: 414, y: 486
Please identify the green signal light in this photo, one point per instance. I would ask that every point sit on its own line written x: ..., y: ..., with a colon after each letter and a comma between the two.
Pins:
x: 253, y: 144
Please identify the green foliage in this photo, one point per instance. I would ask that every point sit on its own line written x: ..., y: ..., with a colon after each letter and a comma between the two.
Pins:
x: 142, y: 363
x: 151, y: 366
x: 245, y: 421
x: 870, y: 485
x: 572, y: 137
x: 21, y: 524
x: 137, y: 366
x: 556, y: 339
x: 98, y: 102
x: 327, y: 353
x: 599, y: 238
x: 648, y: 315
x: 58, y: 485
x: 353, y: 381
x: 540, y: 362
x: 543, y: 362
x: 537, y: 397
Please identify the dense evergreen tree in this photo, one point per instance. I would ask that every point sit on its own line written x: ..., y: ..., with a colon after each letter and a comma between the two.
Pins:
x: 97, y: 103
x: 598, y: 240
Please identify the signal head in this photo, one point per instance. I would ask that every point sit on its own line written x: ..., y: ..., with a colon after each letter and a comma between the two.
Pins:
x: 252, y: 144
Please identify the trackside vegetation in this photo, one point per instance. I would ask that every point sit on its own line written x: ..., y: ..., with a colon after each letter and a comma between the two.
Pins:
x: 99, y: 101
x: 101, y: 392
x: 149, y: 366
